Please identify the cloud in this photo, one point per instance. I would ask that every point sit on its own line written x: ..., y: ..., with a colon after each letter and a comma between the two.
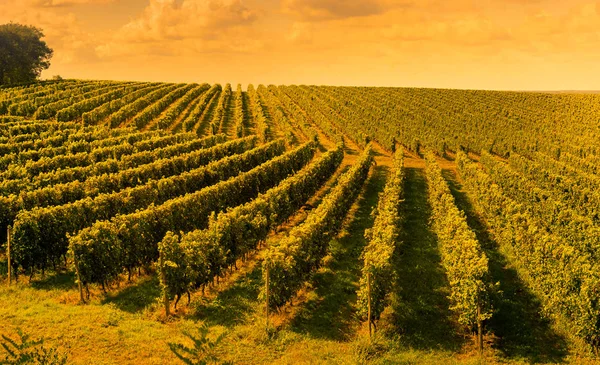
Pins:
x: 186, y: 28
x: 337, y: 9
x: 63, y: 32
x: 190, y: 19
x: 62, y: 3
x: 301, y: 32
x: 469, y: 30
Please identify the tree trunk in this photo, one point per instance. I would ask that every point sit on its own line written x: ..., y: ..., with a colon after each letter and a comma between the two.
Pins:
x: 479, y: 329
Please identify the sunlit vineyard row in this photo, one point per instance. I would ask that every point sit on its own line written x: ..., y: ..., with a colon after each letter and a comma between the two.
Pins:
x: 185, y: 182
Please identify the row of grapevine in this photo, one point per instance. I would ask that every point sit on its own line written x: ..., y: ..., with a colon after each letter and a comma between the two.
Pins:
x: 263, y: 130
x: 238, y: 113
x: 576, y: 189
x: 192, y: 122
x: 72, y: 147
x: 463, y: 259
x: 302, y: 121
x: 219, y: 115
x: 98, y: 115
x: 144, y: 118
x: 87, y: 157
x: 278, y: 117
x: 194, y: 259
x: 28, y: 106
x: 17, y: 164
x: 327, y: 107
x: 75, y: 111
x: 289, y: 261
x: 34, y: 140
x: 131, y: 109
x: 19, y: 94
x: 551, y: 213
x: 107, y: 248
x: 106, y: 167
x: 378, y: 275
x: 169, y: 116
x: 164, y: 165
x: 590, y: 164
x: 287, y: 118
x: 41, y: 234
x: 319, y: 120
x: 369, y: 114
x: 355, y: 124
x: 566, y: 279
x: 49, y: 110
x: 13, y: 126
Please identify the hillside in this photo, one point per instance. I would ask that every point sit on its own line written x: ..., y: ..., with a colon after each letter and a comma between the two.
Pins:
x: 286, y: 217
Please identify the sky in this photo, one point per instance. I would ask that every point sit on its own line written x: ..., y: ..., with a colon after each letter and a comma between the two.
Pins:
x: 467, y: 44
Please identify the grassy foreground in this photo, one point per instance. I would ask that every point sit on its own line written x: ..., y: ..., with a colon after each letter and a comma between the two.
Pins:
x: 126, y: 325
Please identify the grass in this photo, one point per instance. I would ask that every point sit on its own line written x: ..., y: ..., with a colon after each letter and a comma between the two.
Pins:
x: 421, y: 313
x: 519, y: 330
x: 125, y: 326
x: 329, y: 312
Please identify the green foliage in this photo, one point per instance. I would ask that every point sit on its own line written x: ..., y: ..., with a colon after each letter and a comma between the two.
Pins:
x: 24, y: 351
x: 24, y: 54
x: 258, y: 114
x: 216, y: 125
x: 383, y: 239
x: 199, y: 256
x: 465, y: 263
x: 51, y: 105
x: 102, y: 112
x: 140, y: 232
x: 40, y: 234
x: 76, y: 111
x: 153, y: 110
x: 298, y: 117
x: 475, y: 119
x: 131, y: 109
x: 175, y: 109
x: 565, y: 274
x: 238, y: 113
x: 290, y: 261
x: 317, y: 114
x: 204, y: 352
x: 192, y: 122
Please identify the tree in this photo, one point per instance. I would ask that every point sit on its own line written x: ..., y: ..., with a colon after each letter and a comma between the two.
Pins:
x: 23, y: 54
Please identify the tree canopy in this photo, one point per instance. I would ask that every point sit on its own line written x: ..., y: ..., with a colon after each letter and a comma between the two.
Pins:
x: 23, y: 53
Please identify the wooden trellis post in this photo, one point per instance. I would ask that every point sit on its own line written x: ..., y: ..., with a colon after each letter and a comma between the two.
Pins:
x: 369, y: 303
x: 267, y: 299
x: 79, y: 283
x: 479, y: 328
x: 163, y: 279
x: 8, y: 255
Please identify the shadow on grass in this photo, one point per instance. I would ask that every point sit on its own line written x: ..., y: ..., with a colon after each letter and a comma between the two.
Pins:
x: 521, y: 332
x: 136, y: 297
x: 330, y: 312
x: 54, y: 280
x: 350, y: 151
x: 3, y: 267
x: 232, y: 305
x: 421, y: 309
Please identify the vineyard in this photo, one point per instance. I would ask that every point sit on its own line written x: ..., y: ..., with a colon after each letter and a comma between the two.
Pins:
x: 301, y: 224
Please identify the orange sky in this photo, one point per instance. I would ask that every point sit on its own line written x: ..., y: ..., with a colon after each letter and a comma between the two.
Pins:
x: 486, y: 44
